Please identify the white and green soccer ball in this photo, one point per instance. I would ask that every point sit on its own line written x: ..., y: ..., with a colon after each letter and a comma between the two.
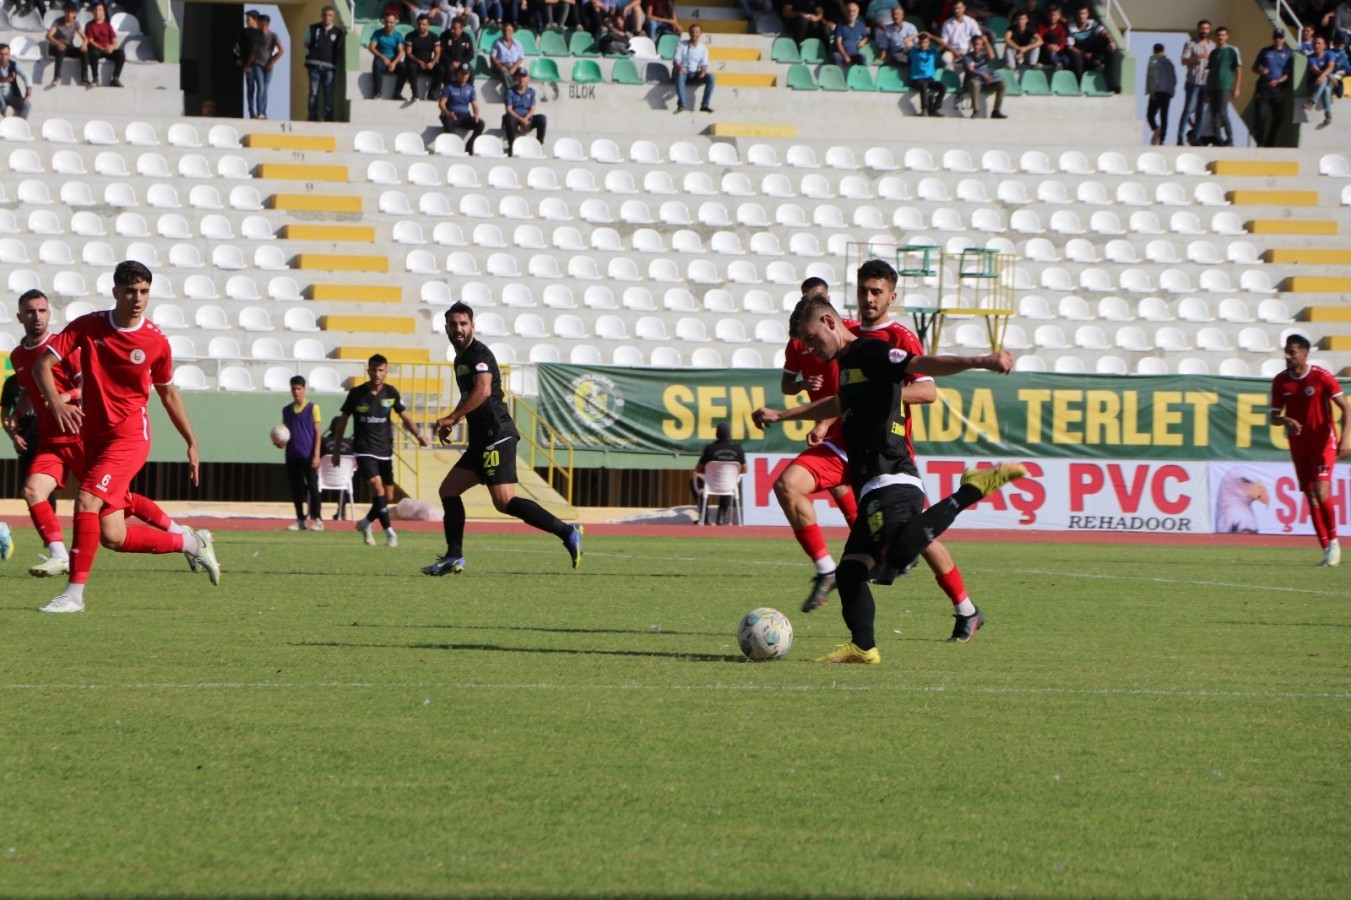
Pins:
x: 279, y: 434
x: 765, y: 634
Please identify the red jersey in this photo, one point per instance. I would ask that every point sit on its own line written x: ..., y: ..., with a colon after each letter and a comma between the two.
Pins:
x: 1307, y: 400
x: 120, y: 368
x: 67, y: 376
x: 798, y: 360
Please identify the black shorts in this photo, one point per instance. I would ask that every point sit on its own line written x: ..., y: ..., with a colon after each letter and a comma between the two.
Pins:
x: 493, y: 463
x: 368, y: 467
x: 882, y: 513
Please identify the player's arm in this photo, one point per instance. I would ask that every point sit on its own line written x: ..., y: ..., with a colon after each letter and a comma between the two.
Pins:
x: 1344, y: 442
x: 938, y: 366
x: 339, y: 428
x: 178, y: 414
x: 476, y: 397
x: 919, y: 393
x: 318, y: 438
x: 411, y: 427
x: 67, y: 414
x: 825, y: 408
x: 790, y: 383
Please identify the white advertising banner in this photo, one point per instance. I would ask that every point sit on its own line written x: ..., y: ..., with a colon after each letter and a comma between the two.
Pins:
x: 1264, y: 498
x: 1157, y: 496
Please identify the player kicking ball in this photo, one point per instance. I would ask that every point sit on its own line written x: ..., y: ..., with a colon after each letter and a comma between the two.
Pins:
x: 893, y: 526
x: 490, y: 457
x: 123, y: 357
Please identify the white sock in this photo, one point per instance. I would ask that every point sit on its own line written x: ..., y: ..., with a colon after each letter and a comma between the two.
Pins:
x: 57, y: 550
x: 825, y: 565
x: 175, y: 528
x: 75, y: 591
x: 965, y: 608
x: 389, y: 533
x: 192, y: 545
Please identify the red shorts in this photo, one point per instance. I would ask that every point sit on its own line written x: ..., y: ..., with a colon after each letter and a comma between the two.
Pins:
x: 826, y: 466
x: 58, y: 459
x: 111, y: 467
x: 1315, y: 467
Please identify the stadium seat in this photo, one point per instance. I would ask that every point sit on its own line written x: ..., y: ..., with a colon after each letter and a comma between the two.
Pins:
x: 1050, y: 337
x: 1216, y: 281
x: 1029, y: 362
x: 230, y: 166
x: 1137, y: 281
x: 1162, y: 252
x: 1025, y: 221
x: 1171, y: 339
x: 1252, y: 281
x: 1144, y: 221
x: 1128, y: 193
x: 919, y: 159
x: 1069, y: 365
x: 1273, y: 311
x: 1121, y: 252
x: 161, y: 196
x: 1210, y: 193
x: 1066, y: 221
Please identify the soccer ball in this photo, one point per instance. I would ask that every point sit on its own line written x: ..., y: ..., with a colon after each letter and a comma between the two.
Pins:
x: 765, y: 634
x: 280, y: 435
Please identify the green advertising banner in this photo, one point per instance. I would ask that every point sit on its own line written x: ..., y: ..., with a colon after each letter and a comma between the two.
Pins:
x: 675, y: 411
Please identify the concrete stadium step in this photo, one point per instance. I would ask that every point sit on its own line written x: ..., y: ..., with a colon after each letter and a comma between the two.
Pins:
x: 1255, y: 168
x: 321, y: 203
x: 1338, y: 342
x: 1291, y: 226
x: 753, y: 130
x: 322, y: 143
x: 719, y: 53
x: 355, y: 293
x: 361, y: 234
x: 1309, y: 256
x: 301, y: 172
x: 369, y: 324
x: 394, y: 355
x: 1325, y: 314
x: 1272, y: 198
x: 477, y: 502
x: 1300, y: 284
x: 341, y: 263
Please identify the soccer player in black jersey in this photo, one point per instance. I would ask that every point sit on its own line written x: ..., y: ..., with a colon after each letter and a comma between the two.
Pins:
x: 893, y: 525
x: 490, y: 458
x: 371, y: 406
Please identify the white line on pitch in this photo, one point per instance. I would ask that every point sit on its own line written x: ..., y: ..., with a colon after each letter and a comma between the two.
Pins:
x: 1185, y: 581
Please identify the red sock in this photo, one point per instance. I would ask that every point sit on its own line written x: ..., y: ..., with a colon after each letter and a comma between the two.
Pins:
x: 148, y: 540
x: 44, y: 520
x: 147, y: 511
x: 1329, y: 520
x: 812, y: 541
x: 951, y: 583
x: 84, y: 547
x: 1319, y: 527
x: 849, y: 506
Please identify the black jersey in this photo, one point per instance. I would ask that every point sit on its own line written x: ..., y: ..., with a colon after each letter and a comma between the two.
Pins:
x: 723, y: 451
x: 491, y: 421
x: 871, y: 372
x: 372, y: 431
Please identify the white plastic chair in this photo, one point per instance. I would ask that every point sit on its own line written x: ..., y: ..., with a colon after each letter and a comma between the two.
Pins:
x: 721, y: 479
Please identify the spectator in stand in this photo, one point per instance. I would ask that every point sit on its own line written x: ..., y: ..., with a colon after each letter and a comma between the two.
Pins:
x: 1160, y: 85
x: 1196, y: 60
x: 851, y: 36
x: 16, y: 92
x: 805, y: 19
x: 387, y: 48
x: 61, y: 43
x: 752, y: 8
x: 446, y: 11
x: 958, y: 34
x: 521, y: 115
x: 878, y: 16
x: 1054, y: 38
x: 101, y: 43
x: 981, y: 78
x: 690, y: 66
x: 1222, y: 86
x: 1321, y: 67
x: 924, y: 79
x: 660, y: 19
x: 1341, y: 63
x: 273, y: 51
x: 613, y: 37
x: 1338, y: 21
x: 1022, y: 43
x: 1273, y: 67
x: 457, y: 52
x: 630, y: 16
x: 1306, y: 40
x: 557, y: 15
x: 249, y: 56
x: 897, y: 40
x: 508, y: 57
x: 459, y: 107
x: 422, y: 56
x: 1090, y: 46
x: 593, y: 13
x: 1035, y: 16
x: 324, y: 52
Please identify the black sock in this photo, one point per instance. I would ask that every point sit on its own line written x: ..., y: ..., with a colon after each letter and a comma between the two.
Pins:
x: 925, y: 528
x: 856, y: 602
x: 453, y: 525
x: 380, y: 510
x: 536, y: 516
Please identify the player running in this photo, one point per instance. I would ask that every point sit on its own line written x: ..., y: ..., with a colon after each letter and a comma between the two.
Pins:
x: 123, y: 355
x: 1301, y: 400
x: 371, y: 406
x: 894, y: 525
x: 490, y: 457
x: 58, y: 454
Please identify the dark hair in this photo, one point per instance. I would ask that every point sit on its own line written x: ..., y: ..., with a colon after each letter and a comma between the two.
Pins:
x: 264, y: 20
x: 1158, y: 48
x: 1298, y: 340
x: 328, y: 9
x: 1221, y: 28
x: 876, y: 268
x: 34, y: 293
x: 377, y: 360
x: 1201, y: 22
x: 4, y: 46
x: 809, y: 309
x: 724, y: 431
x: 812, y: 283
x: 423, y: 18
x: 297, y: 380
x: 460, y: 308
x: 69, y: 7
x: 129, y: 271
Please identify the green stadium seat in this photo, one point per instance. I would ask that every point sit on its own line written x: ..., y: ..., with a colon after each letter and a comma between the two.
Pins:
x: 528, y: 42
x: 868, y: 54
x: 489, y: 35
x: 813, y: 52
x: 800, y: 78
x: 891, y: 81
x: 951, y: 79
x: 404, y: 29
x: 1011, y: 86
x: 368, y: 33
x: 582, y: 44
x: 1064, y: 84
x: 1094, y: 84
x: 587, y: 71
x: 626, y: 72
x: 1034, y: 83
x: 831, y: 78
x: 785, y: 51
x: 545, y: 69
x: 551, y: 43
x: 367, y: 9
x: 861, y: 79
x: 666, y: 46
x: 482, y: 65
x: 997, y: 26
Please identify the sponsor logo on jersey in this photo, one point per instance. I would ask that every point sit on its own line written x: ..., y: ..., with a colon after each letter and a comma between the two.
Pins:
x: 897, y: 356
x: 138, y: 356
x: 481, y: 367
x: 364, y: 407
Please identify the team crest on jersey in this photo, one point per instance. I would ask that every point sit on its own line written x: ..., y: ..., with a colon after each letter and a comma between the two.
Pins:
x: 596, y: 401
x: 481, y: 367
x: 387, y: 402
x: 897, y: 356
x: 138, y: 356
x: 1308, y: 391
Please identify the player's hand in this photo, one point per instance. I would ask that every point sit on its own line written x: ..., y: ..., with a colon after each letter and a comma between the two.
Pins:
x: 194, y: 469
x: 817, y: 434
x: 814, y: 382
x: 20, y: 445
x: 1293, y: 428
x: 69, y: 417
x: 1001, y: 362
x: 336, y: 457
x: 766, y: 416
x: 314, y: 463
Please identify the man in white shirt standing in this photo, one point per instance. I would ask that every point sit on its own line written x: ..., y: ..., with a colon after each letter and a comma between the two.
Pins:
x: 690, y: 66
x: 958, y: 33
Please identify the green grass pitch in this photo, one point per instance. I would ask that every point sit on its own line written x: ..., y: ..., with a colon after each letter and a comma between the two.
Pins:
x: 1133, y: 721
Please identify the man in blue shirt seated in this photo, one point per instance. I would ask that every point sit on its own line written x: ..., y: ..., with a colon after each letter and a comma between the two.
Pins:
x: 690, y: 66
x: 387, y: 48
x: 851, y: 36
x: 896, y: 40
x: 980, y: 78
x: 924, y: 81
x: 521, y: 115
x: 459, y: 107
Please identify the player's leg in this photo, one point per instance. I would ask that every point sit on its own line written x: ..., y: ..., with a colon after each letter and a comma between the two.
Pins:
x: 461, y: 477
x: 295, y: 476
x: 37, y: 489
x: 1323, y: 512
x: 497, y: 470
x: 843, y: 495
x: 861, y: 551
x: 387, y: 477
x: 84, y: 548
x: 920, y: 531
x: 149, y: 511
x: 316, y: 499
x: 1306, y: 476
x: 369, y: 469
x: 813, y: 470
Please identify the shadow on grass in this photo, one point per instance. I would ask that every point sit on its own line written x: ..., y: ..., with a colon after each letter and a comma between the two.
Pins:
x: 497, y: 648
x: 630, y: 631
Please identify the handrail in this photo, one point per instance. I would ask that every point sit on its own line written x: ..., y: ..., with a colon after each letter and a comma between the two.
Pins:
x: 555, y: 439
x: 1285, y: 9
x: 1115, y: 10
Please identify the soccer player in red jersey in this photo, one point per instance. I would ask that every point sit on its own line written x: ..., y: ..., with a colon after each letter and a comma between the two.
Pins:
x: 57, y: 453
x: 123, y: 356
x: 1301, y: 400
